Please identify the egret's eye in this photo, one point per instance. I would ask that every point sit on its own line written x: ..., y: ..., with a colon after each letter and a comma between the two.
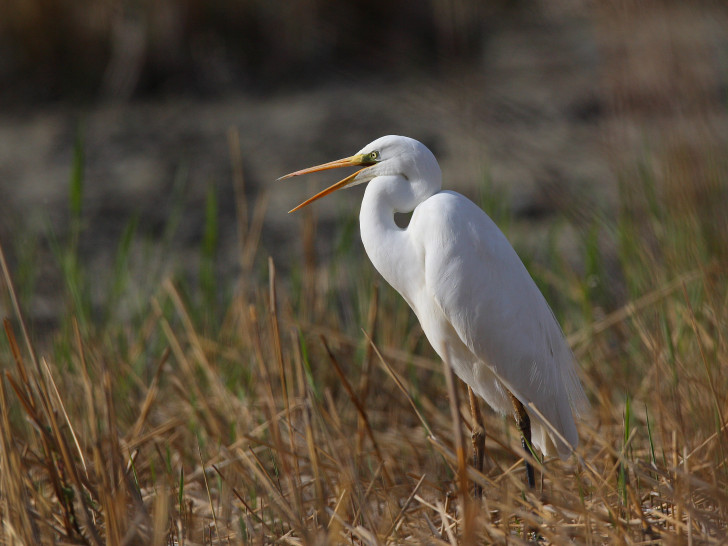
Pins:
x: 374, y: 156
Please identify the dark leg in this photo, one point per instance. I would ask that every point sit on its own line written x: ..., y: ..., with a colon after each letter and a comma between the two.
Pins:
x: 477, y: 437
x: 524, y: 425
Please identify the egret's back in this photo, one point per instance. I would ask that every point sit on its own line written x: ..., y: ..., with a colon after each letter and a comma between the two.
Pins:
x: 506, y: 335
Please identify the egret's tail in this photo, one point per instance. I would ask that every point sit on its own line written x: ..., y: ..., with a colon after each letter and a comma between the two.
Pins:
x: 545, y: 438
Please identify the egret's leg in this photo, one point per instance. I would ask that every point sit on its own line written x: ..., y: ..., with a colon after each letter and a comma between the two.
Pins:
x: 524, y: 425
x: 477, y: 437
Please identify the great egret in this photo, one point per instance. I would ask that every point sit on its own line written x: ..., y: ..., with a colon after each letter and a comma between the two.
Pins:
x: 477, y: 304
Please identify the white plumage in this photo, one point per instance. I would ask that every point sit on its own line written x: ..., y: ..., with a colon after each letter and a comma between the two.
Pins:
x: 477, y: 304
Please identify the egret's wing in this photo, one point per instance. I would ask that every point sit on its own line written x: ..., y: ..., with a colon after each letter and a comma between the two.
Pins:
x: 486, y: 293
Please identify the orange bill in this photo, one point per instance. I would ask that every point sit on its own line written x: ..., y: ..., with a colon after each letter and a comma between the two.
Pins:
x: 353, y: 161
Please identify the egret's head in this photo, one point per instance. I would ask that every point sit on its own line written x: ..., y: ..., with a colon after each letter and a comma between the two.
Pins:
x: 388, y: 155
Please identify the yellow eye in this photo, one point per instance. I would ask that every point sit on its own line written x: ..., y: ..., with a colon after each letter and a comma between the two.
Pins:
x: 374, y: 155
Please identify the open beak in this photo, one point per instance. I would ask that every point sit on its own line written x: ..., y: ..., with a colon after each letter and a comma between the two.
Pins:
x: 353, y: 161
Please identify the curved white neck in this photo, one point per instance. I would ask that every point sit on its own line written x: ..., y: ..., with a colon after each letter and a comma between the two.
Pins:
x: 388, y: 246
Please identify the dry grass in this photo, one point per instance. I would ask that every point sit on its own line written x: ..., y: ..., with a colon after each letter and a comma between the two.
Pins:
x: 277, y: 425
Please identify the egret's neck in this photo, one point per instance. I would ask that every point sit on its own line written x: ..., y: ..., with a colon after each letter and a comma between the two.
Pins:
x: 388, y: 246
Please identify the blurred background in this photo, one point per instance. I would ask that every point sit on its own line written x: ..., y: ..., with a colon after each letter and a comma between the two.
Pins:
x: 166, y: 123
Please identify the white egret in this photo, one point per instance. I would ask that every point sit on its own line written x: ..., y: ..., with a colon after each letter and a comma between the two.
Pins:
x: 477, y: 304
